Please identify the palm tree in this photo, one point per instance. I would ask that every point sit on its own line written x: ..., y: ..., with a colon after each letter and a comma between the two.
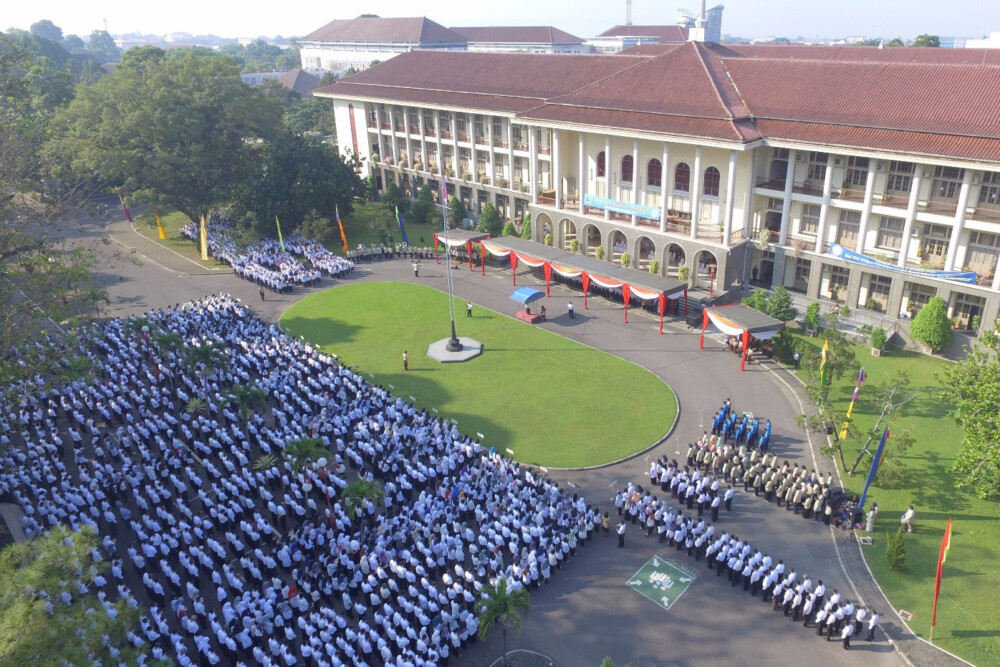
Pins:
x: 205, y: 359
x: 301, y: 451
x: 196, y: 405
x: 359, y: 490
x: 500, y: 605
x: 264, y: 462
x: 247, y: 398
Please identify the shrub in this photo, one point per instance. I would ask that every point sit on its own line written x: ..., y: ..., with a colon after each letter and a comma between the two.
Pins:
x: 878, y: 338
x: 626, y: 260
x: 574, y: 246
x: 654, y: 267
x: 599, y: 252
x: 547, y: 240
x: 757, y: 300
x: 489, y: 220
x: 683, y: 273
x: 509, y: 229
x: 526, y: 228
x: 813, y: 321
x: 895, y: 552
x: 779, y: 305
x: 931, y: 326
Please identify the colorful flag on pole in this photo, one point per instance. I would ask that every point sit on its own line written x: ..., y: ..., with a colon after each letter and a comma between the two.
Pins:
x: 402, y: 231
x: 945, y: 543
x: 823, y: 370
x: 876, y: 462
x: 203, y: 237
x: 850, y: 409
x: 343, y: 236
x: 281, y: 241
x: 128, y: 216
x: 159, y: 224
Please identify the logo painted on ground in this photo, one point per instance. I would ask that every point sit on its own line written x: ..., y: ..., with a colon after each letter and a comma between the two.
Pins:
x: 662, y: 580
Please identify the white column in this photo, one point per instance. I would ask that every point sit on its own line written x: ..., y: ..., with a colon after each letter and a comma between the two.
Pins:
x: 996, y: 279
x: 696, y: 193
x: 392, y: 134
x: 866, y: 208
x: 453, y: 128
x: 786, y: 204
x: 490, y: 169
x: 533, y: 163
x: 608, y: 162
x: 911, y: 215
x: 556, y: 167
x: 824, y: 211
x: 635, y: 176
x: 664, y: 187
x: 581, y: 181
x: 406, y: 129
x: 959, y: 224
x: 440, y: 149
x: 727, y: 225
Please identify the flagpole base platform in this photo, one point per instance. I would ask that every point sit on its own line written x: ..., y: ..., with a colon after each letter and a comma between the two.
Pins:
x: 442, y: 351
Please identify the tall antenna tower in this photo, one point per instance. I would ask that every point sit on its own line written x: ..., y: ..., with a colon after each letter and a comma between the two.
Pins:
x: 628, y: 12
x: 105, y: 24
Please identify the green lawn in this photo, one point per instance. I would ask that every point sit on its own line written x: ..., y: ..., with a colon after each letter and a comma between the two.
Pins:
x: 552, y: 401
x: 971, y: 579
x: 358, y: 232
x: 145, y: 224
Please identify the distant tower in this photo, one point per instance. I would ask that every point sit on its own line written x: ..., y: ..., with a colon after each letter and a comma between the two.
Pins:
x: 628, y: 12
x: 705, y: 26
x: 105, y: 24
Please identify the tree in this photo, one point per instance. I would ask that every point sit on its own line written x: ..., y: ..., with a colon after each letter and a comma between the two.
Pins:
x: 526, y: 227
x: 456, y: 211
x: 813, y: 320
x: 893, y: 396
x: 489, y: 221
x: 247, y: 399
x: 394, y: 198
x: 205, y: 359
x: 102, y: 46
x: 757, y: 300
x: 626, y: 260
x: 779, y: 305
x: 46, y: 29
x: 291, y: 178
x: 826, y: 420
x: 301, y: 451
x: 35, y: 622
x: 73, y: 44
x: 895, y: 41
x: 360, y: 491
x: 931, y: 325
x: 874, y: 41
x: 174, y: 130
x: 894, y: 550
x: 509, y: 229
x: 423, y: 211
x: 971, y: 387
x: 383, y: 223
x: 927, y: 40
x: 500, y: 605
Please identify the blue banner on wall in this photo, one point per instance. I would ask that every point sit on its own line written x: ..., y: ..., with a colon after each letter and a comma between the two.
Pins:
x: 840, y: 252
x: 651, y: 212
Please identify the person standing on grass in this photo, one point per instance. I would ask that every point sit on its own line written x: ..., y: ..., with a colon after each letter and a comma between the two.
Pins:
x: 870, y: 523
x: 907, y: 519
x: 406, y: 361
x: 468, y: 309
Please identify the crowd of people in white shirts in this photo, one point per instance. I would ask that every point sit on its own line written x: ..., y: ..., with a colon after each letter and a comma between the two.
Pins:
x: 265, y: 262
x: 238, y: 563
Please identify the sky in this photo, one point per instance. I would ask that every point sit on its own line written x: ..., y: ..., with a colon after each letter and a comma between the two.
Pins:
x: 583, y: 18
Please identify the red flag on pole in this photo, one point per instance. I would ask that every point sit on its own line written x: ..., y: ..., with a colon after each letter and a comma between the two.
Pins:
x: 945, y: 543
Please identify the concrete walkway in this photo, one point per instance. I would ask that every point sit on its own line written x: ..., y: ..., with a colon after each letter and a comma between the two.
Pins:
x: 588, y: 611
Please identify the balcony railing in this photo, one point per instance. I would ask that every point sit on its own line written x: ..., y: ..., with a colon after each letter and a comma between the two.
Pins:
x: 808, y: 189
x: 400, y: 127
x: 678, y: 227
x: 942, y: 207
x: 772, y: 184
x: 896, y: 201
x: 429, y: 132
x: 544, y: 149
x: 521, y: 146
x: 851, y: 194
x: 386, y: 126
x: 372, y: 124
x: 987, y: 213
x: 463, y: 136
x: 445, y: 134
x: 499, y: 142
x: 482, y: 140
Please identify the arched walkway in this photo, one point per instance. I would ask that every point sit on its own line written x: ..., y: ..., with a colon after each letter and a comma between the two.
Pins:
x: 592, y: 236
x: 706, y: 267
x: 541, y: 226
x: 673, y: 257
x: 567, y: 233
x: 618, y: 246
x: 644, y: 253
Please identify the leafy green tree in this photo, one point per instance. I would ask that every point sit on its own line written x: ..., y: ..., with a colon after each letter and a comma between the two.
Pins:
x: 73, y: 44
x: 205, y: 359
x: 895, y: 41
x: 874, y: 41
x: 456, y: 211
x: 813, y: 320
x: 35, y: 623
x: 247, y: 399
x: 360, y: 491
x: 102, y: 46
x: 383, y: 224
x: 757, y: 300
x: 509, y: 229
x: 489, y: 221
x: 894, y: 550
x: 972, y: 386
x: 423, y: 211
x: 301, y: 451
x: 498, y: 605
x: 291, y: 177
x: 174, y: 130
x: 779, y: 305
x: 394, y: 198
x: 526, y: 227
x: 626, y: 260
x: 927, y: 40
x: 931, y: 325
x: 46, y: 29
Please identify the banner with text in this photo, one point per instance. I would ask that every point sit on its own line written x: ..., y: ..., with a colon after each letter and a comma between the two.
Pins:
x: 839, y: 251
x: 651, y: 212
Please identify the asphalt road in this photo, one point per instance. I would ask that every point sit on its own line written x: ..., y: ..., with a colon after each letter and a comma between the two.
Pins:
x: 588, y: 611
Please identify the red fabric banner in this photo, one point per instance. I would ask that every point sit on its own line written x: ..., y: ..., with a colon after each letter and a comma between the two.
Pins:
x: 662, y: 304
x: 585, y: 277
x: 548, y: 277
x: 746, y: 344
x: 704, y: 325
x: 945, y: 543
x: 626, y: 296
x: 482, y: 257
x: 513, y: 267
x: 436, y: 257
x: 468, y: 250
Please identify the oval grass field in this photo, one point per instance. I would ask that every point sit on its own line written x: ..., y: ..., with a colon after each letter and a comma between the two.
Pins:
x: 553, y: 401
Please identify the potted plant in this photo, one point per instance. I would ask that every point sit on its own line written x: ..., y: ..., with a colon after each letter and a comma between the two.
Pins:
x: 466, y: 176
x: 683, y: 273
x: 599, y: 252
x: 626, y: 260
x: 877, y: 339
x: 871, y: 304
x: 654, y: 267
x: 547, y: 240
x: 574, y: 246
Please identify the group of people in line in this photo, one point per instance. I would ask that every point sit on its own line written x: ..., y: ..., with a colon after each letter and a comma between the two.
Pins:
x: 241, y: 555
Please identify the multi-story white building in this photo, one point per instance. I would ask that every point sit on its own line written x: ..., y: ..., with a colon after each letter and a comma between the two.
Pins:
x: 521, y: 39
x: 685, y: 153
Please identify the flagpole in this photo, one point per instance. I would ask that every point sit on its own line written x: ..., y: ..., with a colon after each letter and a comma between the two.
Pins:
x: 454, y: 345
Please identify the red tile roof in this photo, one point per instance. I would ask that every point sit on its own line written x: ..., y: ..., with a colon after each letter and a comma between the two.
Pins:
x: 417, y: 30
x: 527, y: 34
x: 298, y: 81
x: 665, y: 33
x: 870, y: 53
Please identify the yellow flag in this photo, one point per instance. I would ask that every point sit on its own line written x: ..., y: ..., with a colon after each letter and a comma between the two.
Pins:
x: 280, y: 240
x: 204, y: 239
x: 159, y: 225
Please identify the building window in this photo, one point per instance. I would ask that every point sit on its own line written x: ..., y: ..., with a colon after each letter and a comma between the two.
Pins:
x: 802, y: 268
x: 497, y: 127
x: 817, y: 166
x: 627, y: 168
x: 712, y: 178
x: 989, y: 192
x: 654, y: 173
x: 934, y: 244
x: 809, y: 223
x: 836, y: 288
x: 900, y: 177
x: 916, y: 297
x: 890, y: 233
x: 946, y: 182
x: 682, y: 178
x: 857, y: 172
x: 983, y: 251
x: 480, y: 129
x: 966, y: 307
x: 847, y: 229
x: 600, y: 165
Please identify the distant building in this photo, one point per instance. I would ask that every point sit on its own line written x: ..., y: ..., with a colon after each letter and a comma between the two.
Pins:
x: 521, y: 39
x: 299, y: 81
x: 991, y: 42
x: 257, y: 78
x: 712, y: 24
x: 623, y: 37
x: 358, y: 42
